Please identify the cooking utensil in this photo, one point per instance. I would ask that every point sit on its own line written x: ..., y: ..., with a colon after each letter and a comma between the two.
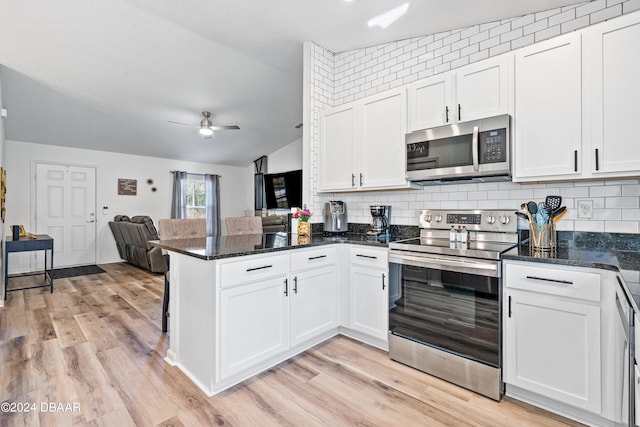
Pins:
x: 561, y: 212
x: 522, y: 215
x: 532, y: 207
x: 553, y: 202
x: 558, y: 211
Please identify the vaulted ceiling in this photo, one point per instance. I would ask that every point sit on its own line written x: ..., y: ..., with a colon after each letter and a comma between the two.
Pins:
x: 108, y: 75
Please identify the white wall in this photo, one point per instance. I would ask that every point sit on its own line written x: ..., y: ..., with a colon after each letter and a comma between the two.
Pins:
x: 286, y: 159
x: 335, y: 79
x: 236, y: 189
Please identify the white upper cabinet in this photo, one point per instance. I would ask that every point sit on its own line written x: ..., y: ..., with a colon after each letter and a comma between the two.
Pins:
x: 362, y: 144
x: 338, y: 142
x: 482, y: 89
x: 612, y: 67
x: 430, y: 102
x: 548, y: 110
x: 383, y: 126
x: 472, y: 92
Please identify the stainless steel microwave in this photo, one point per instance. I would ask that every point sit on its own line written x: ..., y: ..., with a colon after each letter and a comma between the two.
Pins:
x: 478, y: 150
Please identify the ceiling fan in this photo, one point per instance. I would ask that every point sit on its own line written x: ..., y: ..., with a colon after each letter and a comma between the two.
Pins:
x: 206, y: 128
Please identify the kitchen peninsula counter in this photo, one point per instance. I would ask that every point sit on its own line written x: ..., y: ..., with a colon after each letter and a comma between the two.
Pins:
x: 220, y: 247
x: 241, y: 304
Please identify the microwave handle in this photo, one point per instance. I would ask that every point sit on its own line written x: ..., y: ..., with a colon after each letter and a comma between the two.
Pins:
x: 474, y: 148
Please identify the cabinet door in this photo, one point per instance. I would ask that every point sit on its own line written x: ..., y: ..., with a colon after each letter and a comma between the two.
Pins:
x: 553, y: 348
x: 383, y: 121
x: 314, y: 303
x: 430, y: 102
x: 482, y: 89
x: 547, y: 117
x: 369, y: 302
x: 338, y: 128
x: 253, y: 324
x: 612, y: 56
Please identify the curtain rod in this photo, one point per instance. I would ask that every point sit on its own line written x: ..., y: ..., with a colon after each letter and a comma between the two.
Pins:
x: 199, y: 174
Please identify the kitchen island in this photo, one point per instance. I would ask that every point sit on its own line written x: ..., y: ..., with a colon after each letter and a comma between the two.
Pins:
x: 242, y: 304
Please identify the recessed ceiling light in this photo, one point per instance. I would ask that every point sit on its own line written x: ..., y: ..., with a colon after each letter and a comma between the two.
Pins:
x: 388, y: 18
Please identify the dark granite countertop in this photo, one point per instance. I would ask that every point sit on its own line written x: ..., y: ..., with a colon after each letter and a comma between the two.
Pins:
x: 219, y: 247
x: 607, y: 251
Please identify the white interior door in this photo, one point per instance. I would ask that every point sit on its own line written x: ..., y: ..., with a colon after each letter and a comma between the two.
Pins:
x: 65, y: 210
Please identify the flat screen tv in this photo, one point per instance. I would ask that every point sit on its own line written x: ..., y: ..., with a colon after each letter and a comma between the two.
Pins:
x: 283, y: 190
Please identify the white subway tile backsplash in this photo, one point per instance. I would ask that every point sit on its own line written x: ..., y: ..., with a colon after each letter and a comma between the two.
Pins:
x: 479, y: 56
x: 621, y: 227
x: 500, y: 29
x: 535, y: 27
x: 630, y: 6
x: 340, y: 78
x: 622, y: 202
x: 523, y: 41
x: 468, y: 32
x: 477, y: 38
x: 522, y: 21
x: 590, y: 7
x: 547, y: 33
x: 605, y: 191
x: 546, y: 14
x: 608, y: 13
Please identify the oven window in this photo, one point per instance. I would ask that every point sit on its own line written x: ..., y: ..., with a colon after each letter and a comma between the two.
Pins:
x: 440, y: 153
x: 457, y: 312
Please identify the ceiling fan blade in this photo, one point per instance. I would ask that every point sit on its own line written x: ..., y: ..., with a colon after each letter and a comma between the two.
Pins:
x: 183, y: 124
x: 232, y: 127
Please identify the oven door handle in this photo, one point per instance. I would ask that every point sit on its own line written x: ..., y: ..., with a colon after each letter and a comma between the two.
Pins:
x: 440, y: 262
x: 474, y: 149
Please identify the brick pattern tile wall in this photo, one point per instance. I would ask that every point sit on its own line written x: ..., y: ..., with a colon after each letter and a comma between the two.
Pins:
x: 344, y: 77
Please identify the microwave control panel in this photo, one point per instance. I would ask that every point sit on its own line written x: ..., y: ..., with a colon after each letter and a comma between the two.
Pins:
x: 493, y: 146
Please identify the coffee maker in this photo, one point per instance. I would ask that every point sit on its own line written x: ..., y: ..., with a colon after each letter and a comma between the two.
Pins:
x: 379, y: 221
x: 335, y: 217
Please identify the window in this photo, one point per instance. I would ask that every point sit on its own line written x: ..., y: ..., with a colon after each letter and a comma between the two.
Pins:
x: 196, y: 196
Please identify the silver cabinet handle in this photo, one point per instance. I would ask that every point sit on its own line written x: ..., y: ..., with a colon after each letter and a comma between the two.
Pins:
x: 286, y: 287
x: 295, y: 285
x: 367, y: 256
x: 353, y: 179
x: 383, y: 277
x: 317, y: 257
x: 361, y: 176
x: 474, y: 149
x: 446, y: 113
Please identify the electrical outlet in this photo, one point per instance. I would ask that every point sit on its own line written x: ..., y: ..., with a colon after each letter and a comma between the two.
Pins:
x: 585, y: 209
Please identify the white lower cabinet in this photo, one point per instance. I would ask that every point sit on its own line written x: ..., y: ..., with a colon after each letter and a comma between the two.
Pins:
x: 552, y: 338
x: 254, y: 324
x: 369, y: 296
x: 314, y: 303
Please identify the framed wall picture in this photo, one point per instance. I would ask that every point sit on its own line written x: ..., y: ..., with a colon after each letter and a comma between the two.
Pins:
x: 127, y: 187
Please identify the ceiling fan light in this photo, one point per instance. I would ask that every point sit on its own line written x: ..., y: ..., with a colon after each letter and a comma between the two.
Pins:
x: 206, y: 131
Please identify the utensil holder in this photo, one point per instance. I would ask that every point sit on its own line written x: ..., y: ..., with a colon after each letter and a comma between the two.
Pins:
x: 542, y: 237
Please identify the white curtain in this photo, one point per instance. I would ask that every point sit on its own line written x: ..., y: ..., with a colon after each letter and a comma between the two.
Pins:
x: 212, y: 201
x: 178, y: 201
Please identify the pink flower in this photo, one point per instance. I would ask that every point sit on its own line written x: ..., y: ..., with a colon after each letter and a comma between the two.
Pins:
x: 302, y: 214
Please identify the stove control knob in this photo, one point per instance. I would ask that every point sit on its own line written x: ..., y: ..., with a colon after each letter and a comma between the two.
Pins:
x: 491, y: 219
x: 438, y: 218
x: 504, y: 220
x: 427, y: 218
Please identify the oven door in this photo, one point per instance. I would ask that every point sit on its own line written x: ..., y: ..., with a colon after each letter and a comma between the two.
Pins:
x: 449, y: 303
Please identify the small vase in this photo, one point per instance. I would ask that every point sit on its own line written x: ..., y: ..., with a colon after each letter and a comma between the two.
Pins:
x: 304, y: 228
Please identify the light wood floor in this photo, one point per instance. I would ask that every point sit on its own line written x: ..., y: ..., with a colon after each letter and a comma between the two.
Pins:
x: 96, y: 342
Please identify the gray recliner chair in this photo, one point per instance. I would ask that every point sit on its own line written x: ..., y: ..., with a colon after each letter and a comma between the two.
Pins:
x: 132, y: 237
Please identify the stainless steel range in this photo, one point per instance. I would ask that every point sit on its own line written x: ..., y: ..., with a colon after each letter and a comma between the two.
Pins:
x: 445, y: 299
